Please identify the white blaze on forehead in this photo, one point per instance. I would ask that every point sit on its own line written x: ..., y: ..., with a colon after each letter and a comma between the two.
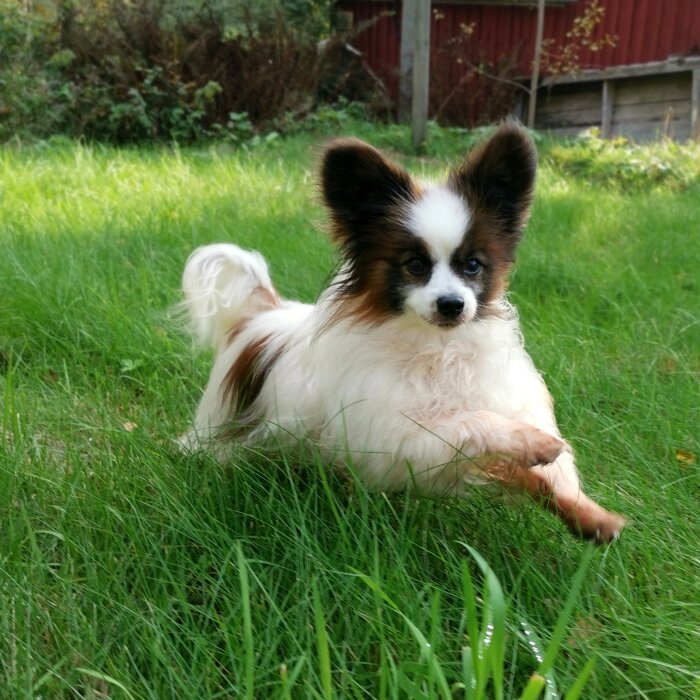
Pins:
x: 441, y: 218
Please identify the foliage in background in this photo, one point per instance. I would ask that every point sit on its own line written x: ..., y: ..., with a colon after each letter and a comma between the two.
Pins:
x: 170, y: 69
x: 145, y: 70
x: 566, y: 59
x: 622, y: 164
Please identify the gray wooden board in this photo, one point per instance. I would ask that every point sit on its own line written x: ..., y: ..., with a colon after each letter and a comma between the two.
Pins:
x: 657, y: 89
x: 651, y: 110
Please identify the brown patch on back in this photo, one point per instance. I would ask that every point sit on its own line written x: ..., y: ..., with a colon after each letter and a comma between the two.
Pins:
x: 235, y: 331
x: 245, y: 379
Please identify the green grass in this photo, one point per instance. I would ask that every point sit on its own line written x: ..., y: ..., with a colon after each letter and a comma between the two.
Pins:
x: 130, y: 571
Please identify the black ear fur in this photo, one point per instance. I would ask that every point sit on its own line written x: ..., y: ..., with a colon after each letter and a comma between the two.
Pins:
x: 359, y: 185
x: 499, y: 177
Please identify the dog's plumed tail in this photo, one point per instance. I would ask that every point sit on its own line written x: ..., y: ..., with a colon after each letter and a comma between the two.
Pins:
x: 223, y: 286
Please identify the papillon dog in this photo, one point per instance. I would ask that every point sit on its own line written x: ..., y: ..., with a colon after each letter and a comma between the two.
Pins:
x: 410, y: 369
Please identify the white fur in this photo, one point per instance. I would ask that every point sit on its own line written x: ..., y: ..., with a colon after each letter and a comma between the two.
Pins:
x: 218, y: 284
x: 405, y: 403
x: 440, y: 217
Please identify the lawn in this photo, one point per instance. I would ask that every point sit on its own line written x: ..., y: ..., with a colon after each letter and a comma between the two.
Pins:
x: 130, y: 571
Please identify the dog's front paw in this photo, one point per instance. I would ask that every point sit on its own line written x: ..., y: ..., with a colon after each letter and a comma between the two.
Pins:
x: 587, y: 519
x: 604, y: 527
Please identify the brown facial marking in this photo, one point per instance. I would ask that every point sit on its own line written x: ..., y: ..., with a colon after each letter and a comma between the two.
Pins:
x: 365, y: 194
x: 494, y: 251
x: 244, y: 380
x: 375, y: 284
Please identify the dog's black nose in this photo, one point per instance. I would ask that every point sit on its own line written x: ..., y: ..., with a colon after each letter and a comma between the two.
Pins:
x: 450, y: 306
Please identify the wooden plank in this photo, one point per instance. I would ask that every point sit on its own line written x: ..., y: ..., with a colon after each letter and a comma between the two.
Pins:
x: 695, y: 106
x: 639, y: 38
x: 566, y: 132
x: 421, y: 73
x: 654, y: 110
x: 657, y: 89
x: 630, y: 71
x: 576, y: 117
x: 665, y: 35
x: 408, y: 34
x: 606, y: 110
x: 535, y: 77
x: 556, y: 102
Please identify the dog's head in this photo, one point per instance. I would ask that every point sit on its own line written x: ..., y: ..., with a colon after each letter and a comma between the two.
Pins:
x: 439, y: 252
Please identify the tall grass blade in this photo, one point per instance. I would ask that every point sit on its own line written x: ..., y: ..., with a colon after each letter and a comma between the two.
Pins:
x: 533, y: 641
x: 98, y: 675
x: 289, y: 679
x: 492, y: 639
x: 534, y: 687
x: 467, y: 673
x: 538, y: 680
x: 249, y: 674
x: 324, y: 657
x: 565, y: 615
x: 426, y: 648
x: 576, y: 690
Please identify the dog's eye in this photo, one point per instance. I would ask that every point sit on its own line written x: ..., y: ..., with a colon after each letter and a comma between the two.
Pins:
x: 416, y: 267
x: 472, y: 267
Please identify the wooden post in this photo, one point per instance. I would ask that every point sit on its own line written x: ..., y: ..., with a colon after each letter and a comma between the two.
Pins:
x: 607, y: 108
x: 532, y: 106
x: 695, y: 106
x: 408, y: 40
x: 421, y: 73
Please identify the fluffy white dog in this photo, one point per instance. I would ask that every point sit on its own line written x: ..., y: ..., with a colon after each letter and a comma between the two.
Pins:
x: 411, y: 365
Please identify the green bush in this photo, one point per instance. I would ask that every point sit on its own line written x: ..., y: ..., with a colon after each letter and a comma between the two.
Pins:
x: 169, y: 70
x: 623, y: 164
x: 31, y: 88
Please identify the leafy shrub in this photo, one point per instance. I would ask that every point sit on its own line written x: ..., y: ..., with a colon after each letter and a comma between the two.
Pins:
x: 627, y: 165
x: 167, y: 69
x: 30, y: 83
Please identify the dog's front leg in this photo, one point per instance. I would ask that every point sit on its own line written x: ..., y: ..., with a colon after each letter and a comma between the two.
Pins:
x: 556, y: 487
x: 447, y: 455
x: 492, y: 437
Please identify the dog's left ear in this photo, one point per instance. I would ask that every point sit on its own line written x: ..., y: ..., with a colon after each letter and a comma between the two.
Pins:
x: 499, y: 177
x: 361, y: 187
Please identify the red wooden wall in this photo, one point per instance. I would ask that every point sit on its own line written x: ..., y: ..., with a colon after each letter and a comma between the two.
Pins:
x: 646, y: 30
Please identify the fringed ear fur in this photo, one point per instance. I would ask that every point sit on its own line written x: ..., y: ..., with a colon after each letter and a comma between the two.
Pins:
x: 498, y: 178
x: 360, y: 187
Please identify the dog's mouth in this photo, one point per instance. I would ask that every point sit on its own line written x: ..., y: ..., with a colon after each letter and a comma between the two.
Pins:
x: 442, y: 322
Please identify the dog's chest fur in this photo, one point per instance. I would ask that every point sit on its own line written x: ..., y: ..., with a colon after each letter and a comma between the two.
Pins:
x: 422, y: 376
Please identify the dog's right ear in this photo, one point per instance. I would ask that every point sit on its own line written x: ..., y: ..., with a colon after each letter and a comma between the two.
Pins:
x: 361, y: 187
